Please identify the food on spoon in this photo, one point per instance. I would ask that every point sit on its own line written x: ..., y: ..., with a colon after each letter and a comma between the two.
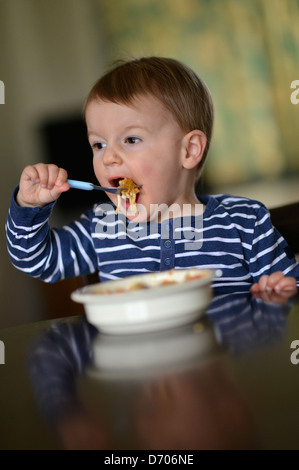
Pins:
x: 130, y: 191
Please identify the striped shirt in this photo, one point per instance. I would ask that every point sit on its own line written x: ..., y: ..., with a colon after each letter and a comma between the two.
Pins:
x: 242, y: 322
x: 234, y: 234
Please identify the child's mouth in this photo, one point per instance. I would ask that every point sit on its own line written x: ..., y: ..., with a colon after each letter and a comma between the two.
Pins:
x: 129, y: 196
x: 114, y: 182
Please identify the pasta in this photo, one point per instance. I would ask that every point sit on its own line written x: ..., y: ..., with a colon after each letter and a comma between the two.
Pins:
x: 139, y: 285
x: 130, y: 191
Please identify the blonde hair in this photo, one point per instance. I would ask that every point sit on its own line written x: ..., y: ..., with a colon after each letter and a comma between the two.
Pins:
x: 174, y: 84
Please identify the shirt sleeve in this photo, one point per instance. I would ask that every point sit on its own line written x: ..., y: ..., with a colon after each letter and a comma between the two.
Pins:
x: 45, y: 253
x: 269, y: 250
x: 55, y: 361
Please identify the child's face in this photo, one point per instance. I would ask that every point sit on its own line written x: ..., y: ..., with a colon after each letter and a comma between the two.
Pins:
x: 143, y: 142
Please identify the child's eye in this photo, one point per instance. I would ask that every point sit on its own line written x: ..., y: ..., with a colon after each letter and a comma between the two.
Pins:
x: 98, y: 146
x: 132, y: 140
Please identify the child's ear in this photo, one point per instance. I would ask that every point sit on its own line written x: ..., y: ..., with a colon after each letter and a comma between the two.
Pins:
x: 194, y: 144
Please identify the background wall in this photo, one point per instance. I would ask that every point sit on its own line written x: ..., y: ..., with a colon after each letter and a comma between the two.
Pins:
x: 248, y: 54
x: 51, y: 52
x: 50, y: 57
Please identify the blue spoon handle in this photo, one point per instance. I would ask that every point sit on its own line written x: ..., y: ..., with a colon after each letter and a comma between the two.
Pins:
x: 90, y: 186
x: 80, y: 185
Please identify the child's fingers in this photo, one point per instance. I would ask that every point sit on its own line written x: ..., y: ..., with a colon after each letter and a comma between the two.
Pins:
x: 274, y: 282
x: 262, y: 283
x: 61, y: 177
x: 273, y: 279
x: 279, y: 282
x: 41, y: 184
x: 255, y: 288
x: 267, y: 282
x: 53, y: 171
x: 61, y: 184
x: 56, y: 177
x: 47, y: 175
x: 30, y: 173
x: 286, y: 284
x: 38, y: 174
x: 55, y: 180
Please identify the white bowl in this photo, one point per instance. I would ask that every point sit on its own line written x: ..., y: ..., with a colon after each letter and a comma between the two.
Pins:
x: 153, y: 354
x: 124, y: 307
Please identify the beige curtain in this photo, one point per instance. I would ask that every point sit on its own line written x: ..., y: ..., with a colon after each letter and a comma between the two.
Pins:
x: 247, y: 52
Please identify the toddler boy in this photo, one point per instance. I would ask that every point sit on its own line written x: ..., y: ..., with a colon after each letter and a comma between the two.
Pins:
x: 149, y: 120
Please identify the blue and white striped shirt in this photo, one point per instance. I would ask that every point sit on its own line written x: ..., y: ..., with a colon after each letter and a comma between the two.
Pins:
x: 234, y: 234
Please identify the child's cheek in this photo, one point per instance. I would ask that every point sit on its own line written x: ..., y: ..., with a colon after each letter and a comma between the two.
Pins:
x: 97, y: 170
x: 149, y: 172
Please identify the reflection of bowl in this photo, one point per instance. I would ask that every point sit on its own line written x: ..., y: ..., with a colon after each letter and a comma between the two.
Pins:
x: 152, y: 354
x: 147, y: 302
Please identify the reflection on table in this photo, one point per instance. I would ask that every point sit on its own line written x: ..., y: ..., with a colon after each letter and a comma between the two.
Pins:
x: 167, y: 390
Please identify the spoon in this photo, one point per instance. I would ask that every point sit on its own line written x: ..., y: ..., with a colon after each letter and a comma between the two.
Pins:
x: 90, y: 186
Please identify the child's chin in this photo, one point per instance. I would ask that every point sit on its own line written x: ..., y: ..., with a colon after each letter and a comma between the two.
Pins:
x: 140, y: 216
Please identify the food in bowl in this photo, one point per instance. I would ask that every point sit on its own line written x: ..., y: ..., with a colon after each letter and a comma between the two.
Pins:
x: 147, y: 302
x: 172, y: 277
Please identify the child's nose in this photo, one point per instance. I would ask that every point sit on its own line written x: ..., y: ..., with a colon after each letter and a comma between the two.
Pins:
x: 111, y: 156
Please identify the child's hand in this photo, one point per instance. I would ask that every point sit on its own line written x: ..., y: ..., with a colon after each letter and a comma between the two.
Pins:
x: 41, y: 184
x: 276, y: 282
